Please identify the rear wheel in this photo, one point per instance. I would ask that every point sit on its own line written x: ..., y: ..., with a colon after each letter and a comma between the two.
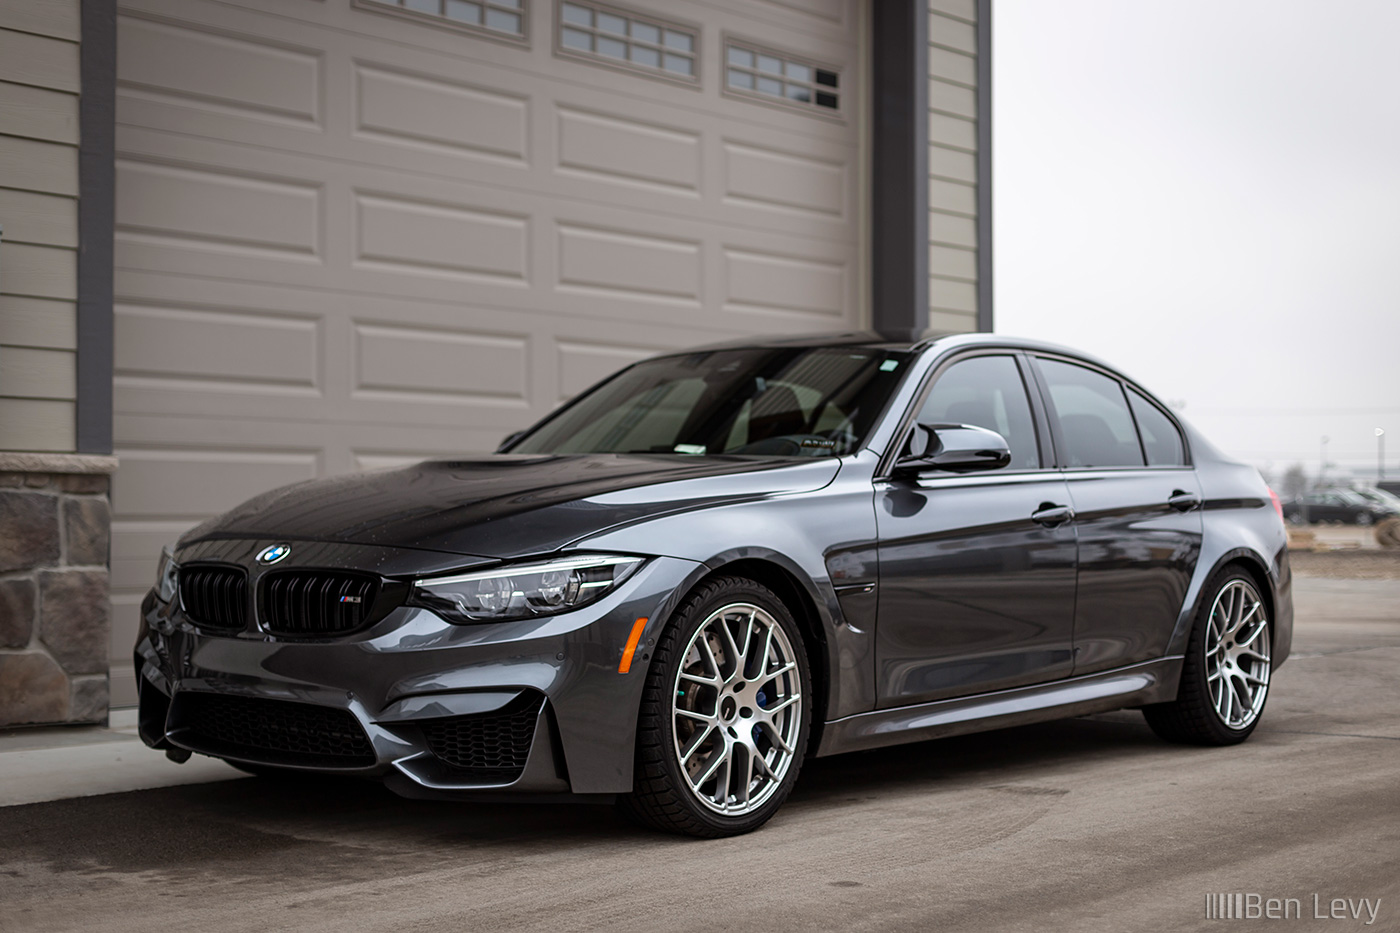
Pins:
x: 1225, y: 676
x: 725, y: 714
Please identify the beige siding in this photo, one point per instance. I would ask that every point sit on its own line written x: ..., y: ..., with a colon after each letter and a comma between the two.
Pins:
x: 952, y: 98
x: 39, y: 82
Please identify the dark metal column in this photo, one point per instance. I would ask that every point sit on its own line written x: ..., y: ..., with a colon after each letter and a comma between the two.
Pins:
x: 984, y: 165
x: 96, y: 217
x: 899, y: 168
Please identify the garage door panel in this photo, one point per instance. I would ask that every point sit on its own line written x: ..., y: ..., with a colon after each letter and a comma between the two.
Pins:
x: 619, y: 150
x: 415, y: 110
x: 400, y: 235
x: 334, y: 316
x: 229, y: 348
x: 832, y: 10
x: 251, y: 76
x: 349, y: 240
x: 628, y: 264
x: 219, y: 209
x: 774, y: 179
x: 461, y: 367
x: 774, y: 282
x: 765, y: 180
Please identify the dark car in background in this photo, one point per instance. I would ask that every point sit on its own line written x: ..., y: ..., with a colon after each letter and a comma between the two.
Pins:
x: 717, y: 563
x: 1389, y: 501
x: 1339, y: 505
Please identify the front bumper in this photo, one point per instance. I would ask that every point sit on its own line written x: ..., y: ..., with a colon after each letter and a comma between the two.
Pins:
x: 421, y: 692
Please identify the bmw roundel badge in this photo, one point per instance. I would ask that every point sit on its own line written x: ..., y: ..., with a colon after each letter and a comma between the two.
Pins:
x: 273, y: 553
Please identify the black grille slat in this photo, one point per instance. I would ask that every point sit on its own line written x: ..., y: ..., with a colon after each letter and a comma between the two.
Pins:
x: 271, y: 731
x: 214, y: 597
x: 313, y: 603
x: 490, y: 746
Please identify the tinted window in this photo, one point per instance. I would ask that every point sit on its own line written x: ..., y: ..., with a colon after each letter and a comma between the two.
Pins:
x: 1094, y: 420
x: 986, y: 391
x: 785, y: 402
x: 1160, y: 438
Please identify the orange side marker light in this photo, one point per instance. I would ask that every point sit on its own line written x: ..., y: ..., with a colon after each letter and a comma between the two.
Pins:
x: 631, y: 648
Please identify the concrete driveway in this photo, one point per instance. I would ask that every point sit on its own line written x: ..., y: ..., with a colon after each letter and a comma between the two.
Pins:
x: 1085, y: 825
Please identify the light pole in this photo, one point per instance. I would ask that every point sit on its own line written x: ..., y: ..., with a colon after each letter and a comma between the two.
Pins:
x: 1380, y: 456
x: 1322, y: 461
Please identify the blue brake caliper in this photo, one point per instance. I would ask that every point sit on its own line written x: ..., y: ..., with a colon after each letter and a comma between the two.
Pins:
x: 762, y: 700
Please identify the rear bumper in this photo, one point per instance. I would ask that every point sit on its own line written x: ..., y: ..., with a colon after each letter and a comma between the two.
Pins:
x: 432, y: 709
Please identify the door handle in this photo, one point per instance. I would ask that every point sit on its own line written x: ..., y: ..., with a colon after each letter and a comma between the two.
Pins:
x: 1184, y: 501
x: 1049, y: 514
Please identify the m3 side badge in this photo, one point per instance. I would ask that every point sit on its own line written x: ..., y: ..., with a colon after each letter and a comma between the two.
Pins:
x: 274, y: 553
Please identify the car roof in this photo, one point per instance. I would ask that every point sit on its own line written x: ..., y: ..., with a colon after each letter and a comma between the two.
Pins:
x: 872, y: 340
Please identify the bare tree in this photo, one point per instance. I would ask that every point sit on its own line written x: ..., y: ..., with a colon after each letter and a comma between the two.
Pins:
x: 1295, y: 481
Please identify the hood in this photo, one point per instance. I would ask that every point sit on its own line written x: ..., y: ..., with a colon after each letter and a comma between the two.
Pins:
x: 506, y: 505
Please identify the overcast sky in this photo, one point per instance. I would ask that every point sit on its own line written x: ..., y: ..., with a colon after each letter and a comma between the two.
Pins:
x: 1207, y: 195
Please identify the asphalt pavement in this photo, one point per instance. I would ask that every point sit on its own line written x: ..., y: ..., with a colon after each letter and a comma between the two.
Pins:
x: 1084, y: 825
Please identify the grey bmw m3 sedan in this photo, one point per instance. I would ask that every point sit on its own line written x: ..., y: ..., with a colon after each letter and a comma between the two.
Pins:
x: 717, y: 563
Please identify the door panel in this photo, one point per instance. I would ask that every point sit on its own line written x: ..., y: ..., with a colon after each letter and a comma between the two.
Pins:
x: 1136, y: 557
x: 1139, y: 526
x: 974, y: 594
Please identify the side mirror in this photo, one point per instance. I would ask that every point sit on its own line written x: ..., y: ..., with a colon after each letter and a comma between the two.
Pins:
x: 510, y: 439
x: 957, y: 448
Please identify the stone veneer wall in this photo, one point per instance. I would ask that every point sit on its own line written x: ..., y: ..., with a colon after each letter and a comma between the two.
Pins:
x: 55, y: 528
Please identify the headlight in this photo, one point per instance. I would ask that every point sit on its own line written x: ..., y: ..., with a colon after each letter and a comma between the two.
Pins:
x: 167, y: 575
x: 522, y: 591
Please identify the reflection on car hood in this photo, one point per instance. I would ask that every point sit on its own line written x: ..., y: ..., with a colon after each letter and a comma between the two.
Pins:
x: 506, y: 505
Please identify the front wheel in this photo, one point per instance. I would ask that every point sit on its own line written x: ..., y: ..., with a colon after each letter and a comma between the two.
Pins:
x: 725, y: 714
x: 1225, y: 676
x: 1364, y: 518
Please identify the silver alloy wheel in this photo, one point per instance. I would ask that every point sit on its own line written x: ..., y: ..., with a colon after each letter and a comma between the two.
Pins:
x: 1237, y: 654
x: 737, y: 709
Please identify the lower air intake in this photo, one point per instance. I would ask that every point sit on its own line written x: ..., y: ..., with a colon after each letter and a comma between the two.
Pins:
x: 277, y: 732
x: 488, y: 747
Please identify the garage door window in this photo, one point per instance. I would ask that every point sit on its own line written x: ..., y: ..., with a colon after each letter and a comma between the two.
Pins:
x: 751, y: 70
x: 504, y: 17
x: 618, y: 37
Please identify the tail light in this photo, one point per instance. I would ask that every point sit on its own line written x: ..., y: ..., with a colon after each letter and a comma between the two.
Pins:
x: 1278, y: 506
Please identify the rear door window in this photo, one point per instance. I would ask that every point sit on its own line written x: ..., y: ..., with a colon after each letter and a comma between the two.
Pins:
x: 1095, y: 424
x: 1161, y: 441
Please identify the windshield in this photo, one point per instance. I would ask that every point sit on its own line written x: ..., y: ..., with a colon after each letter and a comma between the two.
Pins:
x: 787, y: 402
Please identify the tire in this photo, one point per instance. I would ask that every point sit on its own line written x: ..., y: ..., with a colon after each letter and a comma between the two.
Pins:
x: 1364, y: 518
x: 709, y: 714
x: 1201, y: 714
x: 1297, y: 519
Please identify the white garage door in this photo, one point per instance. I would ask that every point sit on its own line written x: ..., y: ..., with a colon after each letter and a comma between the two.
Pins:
x: 355, y: 233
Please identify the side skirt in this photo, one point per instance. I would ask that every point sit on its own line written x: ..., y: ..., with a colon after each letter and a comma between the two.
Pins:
x: 1138, y: 685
